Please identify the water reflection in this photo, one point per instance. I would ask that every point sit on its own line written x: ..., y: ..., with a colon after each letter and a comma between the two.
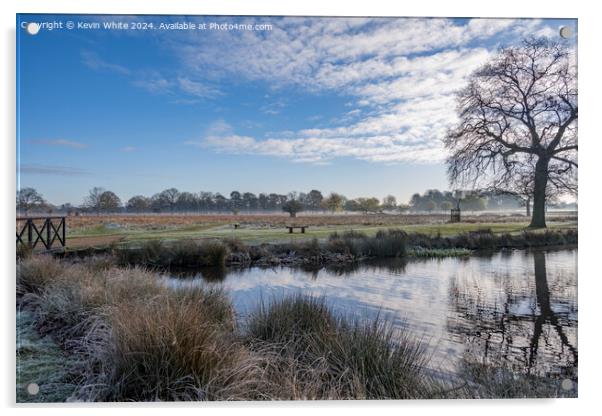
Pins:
x: 531, y: 334
x: 517, y: 309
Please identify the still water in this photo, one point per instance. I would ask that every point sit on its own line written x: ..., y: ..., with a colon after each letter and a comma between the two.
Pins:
x: 516, y: 309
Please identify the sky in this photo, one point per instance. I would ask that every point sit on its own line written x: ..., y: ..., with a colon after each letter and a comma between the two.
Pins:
x: 357, y: 106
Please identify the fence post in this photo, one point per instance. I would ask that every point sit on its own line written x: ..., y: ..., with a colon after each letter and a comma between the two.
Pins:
x: 29, y: 233
x: 48, y: 234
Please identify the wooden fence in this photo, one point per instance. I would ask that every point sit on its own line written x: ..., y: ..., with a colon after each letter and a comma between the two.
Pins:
x: 44, y: 230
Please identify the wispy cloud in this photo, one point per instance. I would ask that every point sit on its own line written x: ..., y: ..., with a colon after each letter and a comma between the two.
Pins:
x: 92, y: 60
x: 154, y: 81
x: 316, y: 148
x: 273, y: 106
x: 35, y: 169
x: 196, y: 88
x: 400, y: 75
x: 61, y: 143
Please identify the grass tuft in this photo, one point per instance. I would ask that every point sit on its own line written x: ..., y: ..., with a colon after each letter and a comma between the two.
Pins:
x: 329, y: 357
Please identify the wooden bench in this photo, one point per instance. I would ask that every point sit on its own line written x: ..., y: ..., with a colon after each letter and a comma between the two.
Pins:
x: 292, y: 227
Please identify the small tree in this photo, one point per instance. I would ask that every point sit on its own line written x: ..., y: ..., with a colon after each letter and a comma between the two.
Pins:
x: 187, y: 201
x: 333, y: 202
x: 109, y: 202
x: 235, y: 202
x: 138, y: 203
x: 93, y: 200
x: 292, y: 206
x: 389, y: 202
x: 314, y: 199
x: 170, y: 198
x: 367, y: 205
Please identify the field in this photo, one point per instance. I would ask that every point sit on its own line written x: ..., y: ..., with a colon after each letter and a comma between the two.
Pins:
x: 85, y: 231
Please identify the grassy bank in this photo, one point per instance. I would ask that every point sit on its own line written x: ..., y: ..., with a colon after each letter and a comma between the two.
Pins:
x: 259, y: 229
x: 345, y: 247
x: 134, y: 339
x: 128, y: 337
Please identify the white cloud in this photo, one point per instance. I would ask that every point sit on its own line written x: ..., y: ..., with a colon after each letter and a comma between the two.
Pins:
x: 318, y: 149
x: 399, y: 74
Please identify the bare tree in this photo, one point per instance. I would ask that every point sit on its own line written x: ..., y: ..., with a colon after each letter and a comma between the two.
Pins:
x: 389, y: 202
x: 93, y: 200
x: 519, y: 112
x: 28, y: 198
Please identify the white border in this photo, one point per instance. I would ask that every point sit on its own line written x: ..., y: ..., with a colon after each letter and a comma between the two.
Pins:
x: 589, y: 210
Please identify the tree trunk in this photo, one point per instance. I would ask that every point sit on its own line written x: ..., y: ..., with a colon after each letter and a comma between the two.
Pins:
x: 528, y: 205
x: 538, y: 220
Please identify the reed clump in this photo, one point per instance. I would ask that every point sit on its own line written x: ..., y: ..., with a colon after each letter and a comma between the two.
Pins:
x: 177, y: 346
x: 331, y: 357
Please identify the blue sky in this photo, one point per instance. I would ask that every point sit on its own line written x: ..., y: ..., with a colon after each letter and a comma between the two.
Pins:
x: 352, y: 105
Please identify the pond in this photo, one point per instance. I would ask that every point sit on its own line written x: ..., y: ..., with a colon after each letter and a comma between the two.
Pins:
x: 516, y: 309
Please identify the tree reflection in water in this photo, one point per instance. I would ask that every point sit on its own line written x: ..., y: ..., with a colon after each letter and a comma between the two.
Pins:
x: 524, y: 321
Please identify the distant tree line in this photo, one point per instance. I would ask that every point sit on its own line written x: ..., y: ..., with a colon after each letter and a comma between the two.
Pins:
x: 102, y: 201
